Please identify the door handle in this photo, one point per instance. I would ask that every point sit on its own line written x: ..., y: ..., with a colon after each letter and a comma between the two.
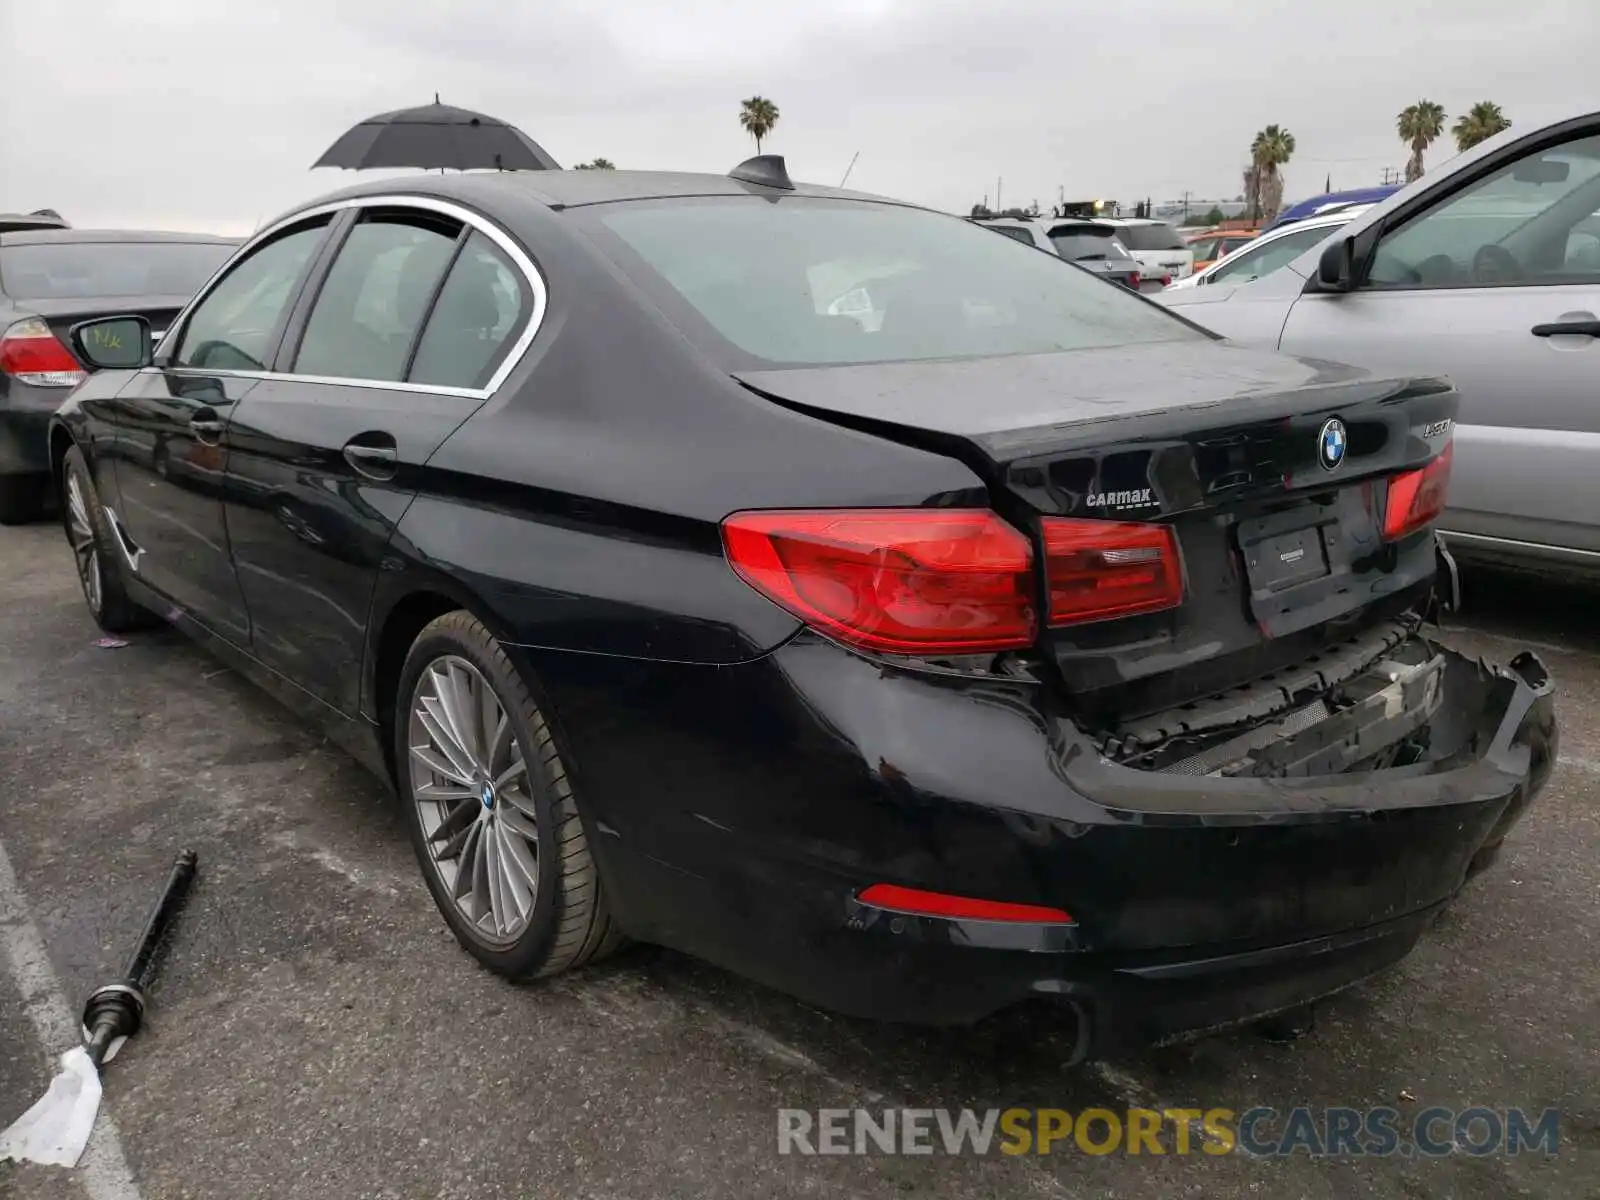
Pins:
x: 1583, y: 328
x: 207, y: 426
x: 373, y: 455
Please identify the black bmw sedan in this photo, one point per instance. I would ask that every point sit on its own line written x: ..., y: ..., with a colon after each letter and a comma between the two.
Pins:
x: 820, y: 585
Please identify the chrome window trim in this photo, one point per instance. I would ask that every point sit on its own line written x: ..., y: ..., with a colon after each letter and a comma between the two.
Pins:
x: 481, y: 224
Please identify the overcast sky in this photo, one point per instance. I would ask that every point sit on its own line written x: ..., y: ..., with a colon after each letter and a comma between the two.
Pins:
x: 206, y: 114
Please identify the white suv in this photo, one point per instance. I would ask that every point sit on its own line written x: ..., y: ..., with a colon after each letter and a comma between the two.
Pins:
x: 1156, y: 244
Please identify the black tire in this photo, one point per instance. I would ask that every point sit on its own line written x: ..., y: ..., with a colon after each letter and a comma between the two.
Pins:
x: 22, y: 498
x: 569, y: 924
x: 115, y: 611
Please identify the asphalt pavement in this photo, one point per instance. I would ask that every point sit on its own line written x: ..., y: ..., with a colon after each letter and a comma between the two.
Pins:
x: 316, y: 1032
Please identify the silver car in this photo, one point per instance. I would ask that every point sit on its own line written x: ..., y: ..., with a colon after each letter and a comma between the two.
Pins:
x: 1487, y: 271
x: 1269, y: 252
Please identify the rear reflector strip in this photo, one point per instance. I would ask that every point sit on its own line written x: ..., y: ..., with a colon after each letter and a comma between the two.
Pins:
x: 918, y: 903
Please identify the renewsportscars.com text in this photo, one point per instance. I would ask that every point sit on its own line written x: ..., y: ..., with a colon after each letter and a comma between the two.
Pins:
x: 1257, y: 1132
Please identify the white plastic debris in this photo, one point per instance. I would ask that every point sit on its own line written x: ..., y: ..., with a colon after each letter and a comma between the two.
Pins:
x: 55, y: 1131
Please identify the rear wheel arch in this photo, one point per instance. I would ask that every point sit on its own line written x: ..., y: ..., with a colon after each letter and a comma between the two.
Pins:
x: 61, y: 440
x: 397, y: 618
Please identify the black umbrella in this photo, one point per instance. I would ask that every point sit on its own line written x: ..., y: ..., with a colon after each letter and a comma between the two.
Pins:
x: 437, y: 135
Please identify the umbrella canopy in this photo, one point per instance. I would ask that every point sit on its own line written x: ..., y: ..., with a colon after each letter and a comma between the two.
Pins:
x: 437, y: 135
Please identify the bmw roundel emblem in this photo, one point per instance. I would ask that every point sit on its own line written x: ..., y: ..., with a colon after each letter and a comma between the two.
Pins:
x: 1331, y: 444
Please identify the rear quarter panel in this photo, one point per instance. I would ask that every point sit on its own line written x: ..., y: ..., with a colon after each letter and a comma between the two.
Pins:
x: 581, y: 504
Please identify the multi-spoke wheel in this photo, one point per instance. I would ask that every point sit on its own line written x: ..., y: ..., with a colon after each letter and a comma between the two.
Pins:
x: 490, y: 808
x: 80, y: 533
x: 98, y: 562
x: 470, y: 785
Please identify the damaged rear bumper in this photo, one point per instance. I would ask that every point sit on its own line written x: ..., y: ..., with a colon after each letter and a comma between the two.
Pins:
x: 1194, y: 900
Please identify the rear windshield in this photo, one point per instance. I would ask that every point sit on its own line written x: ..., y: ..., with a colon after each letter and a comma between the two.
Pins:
x: 1079, y: 242
x: 807, y: 281
x: 1159, y: 236
x: 77, y: 270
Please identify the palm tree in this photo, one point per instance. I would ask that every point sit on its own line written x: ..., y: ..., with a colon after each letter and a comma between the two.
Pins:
x: 1483, y: 120
x: 758, y: 115
x: 1272, y: 148
x: 1419, y: 124
x: 599, y: 164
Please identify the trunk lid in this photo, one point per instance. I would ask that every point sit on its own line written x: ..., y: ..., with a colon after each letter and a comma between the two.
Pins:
x: 1283, y: 555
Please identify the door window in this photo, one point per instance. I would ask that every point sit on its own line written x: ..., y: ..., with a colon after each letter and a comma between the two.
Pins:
x: 1267, y: 257
x: 481, y: 309
x: 373, y: 301
x: 1513, y: 227
x: 232, y: 328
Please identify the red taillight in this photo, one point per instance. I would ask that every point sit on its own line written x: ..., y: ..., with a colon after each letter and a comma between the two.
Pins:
x: 1134, y: 282
x: 1417, y: 497
x: 908, y: 581
x: 29, y: 352
x: 938, y: 904
x: 1101, y: 569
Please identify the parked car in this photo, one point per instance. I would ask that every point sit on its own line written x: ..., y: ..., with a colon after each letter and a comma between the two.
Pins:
x: 1332, y: 202
x: 1025, y: 641
x: 1209, y: 245
x: 51, y: 278
x: 1271, y: 251
x: 1488, y: 271
x: 1157, y: 245
x: 44, y: 218
x: 1091, y: 245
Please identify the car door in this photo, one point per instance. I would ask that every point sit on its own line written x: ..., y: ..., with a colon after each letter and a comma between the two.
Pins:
x: 171, y: 425
x: 1493, y: 282
x: 390, y: 350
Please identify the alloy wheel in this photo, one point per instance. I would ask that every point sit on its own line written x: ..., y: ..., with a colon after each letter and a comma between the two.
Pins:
x: 471, y: 787
x: 80, y: 532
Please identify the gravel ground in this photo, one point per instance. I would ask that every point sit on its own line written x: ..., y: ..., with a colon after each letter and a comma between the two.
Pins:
x: 318, y: 1034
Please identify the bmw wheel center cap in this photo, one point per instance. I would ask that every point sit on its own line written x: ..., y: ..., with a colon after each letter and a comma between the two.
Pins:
x: 1331, y: 444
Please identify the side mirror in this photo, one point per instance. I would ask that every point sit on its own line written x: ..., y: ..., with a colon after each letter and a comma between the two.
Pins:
x: 113, y: 343
x: 1336, y: 269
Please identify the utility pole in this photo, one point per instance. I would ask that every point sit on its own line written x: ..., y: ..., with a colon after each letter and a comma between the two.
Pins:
x: 998, y: 207
x: 1390, y: 175
x: 1185, y: 206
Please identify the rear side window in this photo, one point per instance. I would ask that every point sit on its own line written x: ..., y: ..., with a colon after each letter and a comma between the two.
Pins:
x: 807, y: 280
x: 233, y: 327
x: 1015, y: 232
x: 481, y: 309
x: 1269, y: 256
x: 1159, y: 236
x: 371, y: 305
x: 84, y: 270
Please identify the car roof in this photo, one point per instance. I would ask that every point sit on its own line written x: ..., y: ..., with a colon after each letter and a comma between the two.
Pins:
x: 571, y: 189
x: 1132, y: 220
x: 47, y: 237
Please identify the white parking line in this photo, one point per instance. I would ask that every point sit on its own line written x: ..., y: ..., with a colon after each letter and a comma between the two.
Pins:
x: 103, y: 1171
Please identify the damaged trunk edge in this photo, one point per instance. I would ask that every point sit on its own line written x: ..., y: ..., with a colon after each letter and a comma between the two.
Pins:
x: 1314, y: 683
